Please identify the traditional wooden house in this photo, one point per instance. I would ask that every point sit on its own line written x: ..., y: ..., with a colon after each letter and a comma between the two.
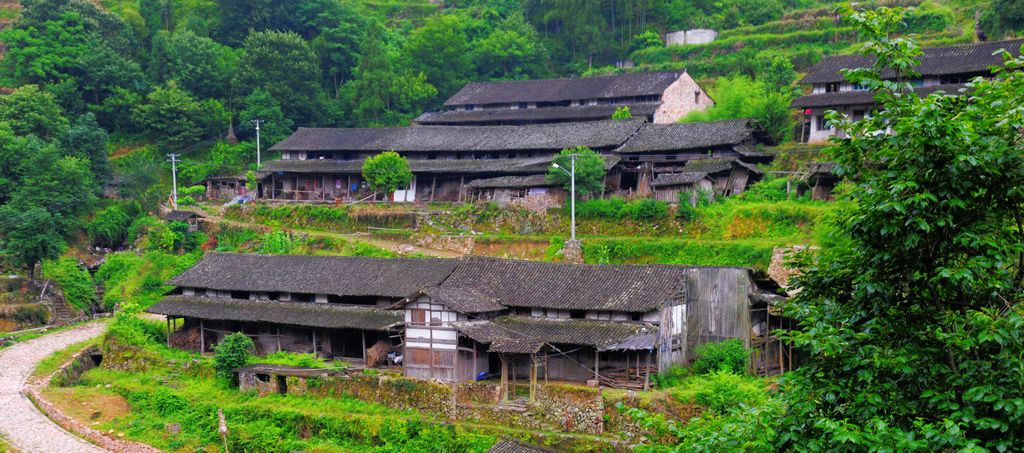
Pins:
x: 659, y: 97
x: 224, y: 187
x: 942, y: 69
x: 325, y: 164
x: 674, y: 187
x: 458, y: 320
x: 666, y: 148
x: 731, y: 176
x: 819, y: 178
x: 332, y: 306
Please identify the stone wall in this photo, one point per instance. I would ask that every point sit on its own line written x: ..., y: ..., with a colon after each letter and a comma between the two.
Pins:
x: 679, y: 100
x: 81, y: 362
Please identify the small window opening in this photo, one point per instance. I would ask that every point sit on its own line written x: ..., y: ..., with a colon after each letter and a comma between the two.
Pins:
x: 577, y: 314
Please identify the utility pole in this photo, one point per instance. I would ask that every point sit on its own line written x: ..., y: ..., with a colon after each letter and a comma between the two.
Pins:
x: 257, y: 122
x: 572, y: 193
x: 174, y: 177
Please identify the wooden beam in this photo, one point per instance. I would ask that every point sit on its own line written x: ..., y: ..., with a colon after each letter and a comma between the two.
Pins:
x: 533, y: 377
x: 473, y: 378
x: 504, y: 378
x: 433, y: 186
x: 278, y: 338
x: 202, y: 338
x: 362, y: 336
x: 314, y: 343
x: 647, y: 376
x: 597, y: 373
x: 168, y: 331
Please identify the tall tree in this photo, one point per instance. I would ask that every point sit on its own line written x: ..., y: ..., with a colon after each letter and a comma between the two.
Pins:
x: 31, y: 111
x: 200, y: 65
x: 513, y: 50
x: 171, y: 115
x: 440, y: 50
x: 260, y: 104
x: 87, y: 140
x: 387, y: 172
x: 283, y: 64
x: 589, y: 169
x: 239, y: 18
x: 913, y: 325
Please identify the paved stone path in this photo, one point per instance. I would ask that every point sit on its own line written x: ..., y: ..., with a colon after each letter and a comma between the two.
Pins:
x: 24, y: 427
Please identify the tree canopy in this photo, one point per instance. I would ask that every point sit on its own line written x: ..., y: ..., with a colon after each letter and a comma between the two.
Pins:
x: 387, y: 172
x: 589, y: 171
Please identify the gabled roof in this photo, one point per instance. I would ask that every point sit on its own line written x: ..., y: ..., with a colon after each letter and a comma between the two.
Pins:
x: 715, y: 165
x: 532, y: 115
x: 623, y: 287
x: 687, y: 136
x: 844, y: 98
x: 521, y: 333
x: 555, y: 90
x: 677, y: 179
x: 307, y: 314
x: 554, y: 137
x: 464, y: 300
x: 337, y: 275
x: 935, y: 61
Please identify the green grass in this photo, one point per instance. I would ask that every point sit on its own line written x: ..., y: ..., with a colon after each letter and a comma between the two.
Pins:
x: 54, y: 361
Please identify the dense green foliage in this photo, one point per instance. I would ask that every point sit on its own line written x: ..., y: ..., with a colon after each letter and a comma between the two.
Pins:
x: 589, y: 171
x: 740, y: 97
x: 728, y: 355
x: 231, y: 353
x: 913, y: 326
x: 387, y: 172
x: 74, y: 281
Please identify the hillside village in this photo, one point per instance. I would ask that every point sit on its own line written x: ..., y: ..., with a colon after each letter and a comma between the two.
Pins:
x: 522, y: 226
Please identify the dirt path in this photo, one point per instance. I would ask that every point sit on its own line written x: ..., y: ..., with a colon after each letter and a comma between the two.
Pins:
x: 394, y: 246
x: 21, y: 424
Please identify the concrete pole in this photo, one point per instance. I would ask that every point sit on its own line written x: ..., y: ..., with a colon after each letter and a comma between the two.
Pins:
x: 257, y: 122
x: 174, y: 177
x: 572, y: 176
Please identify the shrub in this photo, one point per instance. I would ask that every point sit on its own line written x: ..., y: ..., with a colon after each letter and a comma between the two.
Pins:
x: 645, y: 210
x: 671, y: 378
x: 233, y: 352
x: 32, y: 314
x: 727, y: 355
x: 128, y: 329
x: 766, y: 190
x: 724, y: 390
x: 276, y: 243
x: 610, y: 208
x: 685, y: 211
x: 74, y: 280
x: 110, y: 226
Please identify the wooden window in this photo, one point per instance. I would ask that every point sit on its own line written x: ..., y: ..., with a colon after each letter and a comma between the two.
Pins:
x: 419, y: 317
x: 418, y: 356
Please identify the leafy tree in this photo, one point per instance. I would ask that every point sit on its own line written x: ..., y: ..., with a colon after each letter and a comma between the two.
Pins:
x: 440, y: 50
x: 381, y: 92
x: 337, y: 46
x: 31, y: 111
x: 913, y: 324
x: 29, y: 236
x: 87, y: 140
x: 1003, y: 17
x: 200, y: 65
x: 513, y: 50
x: 45, y: 52
x: 172, y: 116
x: 283, y: 64
x: 116, y: 111
x: 240, y: 18
x: 260, y: 104
x: 777, y: 74
x: 232, y: 353
x: 386, y: 172
x: 589, y: 170
x: 740, y: 97
x: 101, y: 70
x: 13, y: 155
x: 622, y: 113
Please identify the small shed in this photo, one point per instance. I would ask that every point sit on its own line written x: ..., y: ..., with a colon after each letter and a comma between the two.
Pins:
x: 669, y: 186
x: 224, y: 187
x: 504, y: 189
x: 189, y: 217
x: 731, y: 176
x: 820, y: 178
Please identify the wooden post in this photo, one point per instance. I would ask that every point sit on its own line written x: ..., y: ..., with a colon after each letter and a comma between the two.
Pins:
x: 168, y: 331
x: 202, y: 337
x: 295, y: 189
x: 362, y: 336
x: 433, y: 186
x: 504, y: 378
x: 597, y: 373
x: 348, y: 188
x: 462, y: 187
x: 513, y: 367
x: 533, y: 377
x: 222, y: 428
x: 314, y: 343
x: 273, y: 185
x: 474, y: 362
x: 647, y: 375
x: 545, y: 368
x: 278, y: 338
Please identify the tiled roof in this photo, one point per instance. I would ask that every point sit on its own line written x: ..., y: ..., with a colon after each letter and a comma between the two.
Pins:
x: 519, y: 166
x: 308, y: 314
x: 554, y: 137
x: 180, y: 216
x: 846, y: 98
x: 533, y: 115
x: 687, y: 136
x: 935, y: 61
x: 520, y: 333
x: 465, y: 300
x: 338, y: 275
x: 714, y: 165
x: 564, y: 286
x: 511, y: 182
x: 677, y: 179
x: 555, y: 90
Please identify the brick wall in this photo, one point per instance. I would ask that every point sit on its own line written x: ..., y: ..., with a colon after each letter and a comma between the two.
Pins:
x: 679, y: 100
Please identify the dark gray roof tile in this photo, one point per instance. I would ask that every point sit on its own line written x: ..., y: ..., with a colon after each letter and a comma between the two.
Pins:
x: 849, y: 98
x: 556, y: 90
x: 520, y: 333
x: 533, y: 115
x: 307, y: 314
x: 677, y: 179
x: 689, y: 136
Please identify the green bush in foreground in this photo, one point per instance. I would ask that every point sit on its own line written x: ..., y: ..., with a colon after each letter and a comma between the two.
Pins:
x: 728, y: 355
x: 232, y: 352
